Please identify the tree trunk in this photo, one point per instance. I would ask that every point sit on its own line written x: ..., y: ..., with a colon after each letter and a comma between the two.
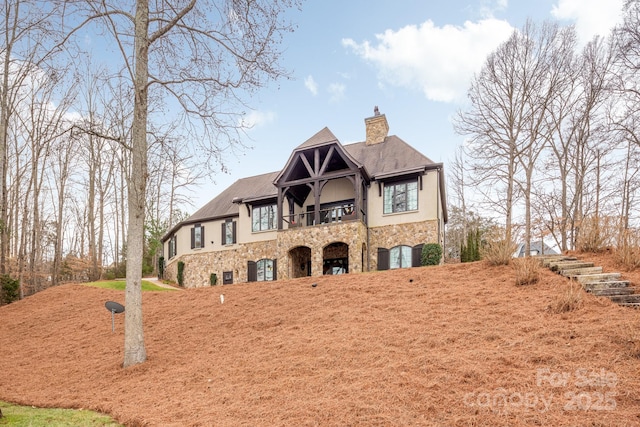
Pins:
x: 134, y: 348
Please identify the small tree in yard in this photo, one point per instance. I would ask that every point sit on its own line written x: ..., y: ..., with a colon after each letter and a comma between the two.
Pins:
x: 161, y: 266
x: 180, y: 275
x: 471, y: 251
x: 431, y: 254
x: 8, y: 289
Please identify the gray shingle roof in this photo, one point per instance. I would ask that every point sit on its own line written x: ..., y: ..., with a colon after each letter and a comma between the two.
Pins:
x: 222, y: 205
x: 320, y: 138
x: 393, y: 156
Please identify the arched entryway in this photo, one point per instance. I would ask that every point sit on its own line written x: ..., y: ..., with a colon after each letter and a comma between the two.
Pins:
x: 300, y: 261
x: 335, y: 258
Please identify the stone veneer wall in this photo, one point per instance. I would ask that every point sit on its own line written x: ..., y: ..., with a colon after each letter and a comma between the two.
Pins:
x: 411, y: 234
x: 353, y: 233
x: 199, y: 266
x: 377, y: 129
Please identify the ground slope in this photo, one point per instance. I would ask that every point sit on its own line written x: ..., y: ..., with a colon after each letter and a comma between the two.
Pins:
x: 457, y: 345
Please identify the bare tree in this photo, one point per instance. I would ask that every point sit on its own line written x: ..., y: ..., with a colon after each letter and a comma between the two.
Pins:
x: 546, y: 66
x: 532, y: 94
x: 27, y: 40
x: 43, y: 122
x: 199, y: 53
x: 495, y: 122
x: 455, y: 238
x: 64, y: 162
x: 625, y: 112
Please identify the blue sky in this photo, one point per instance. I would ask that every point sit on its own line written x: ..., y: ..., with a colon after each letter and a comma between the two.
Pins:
x: 412, y: 58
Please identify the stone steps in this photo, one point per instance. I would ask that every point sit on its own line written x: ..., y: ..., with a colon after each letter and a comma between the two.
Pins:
x: 598, y: 286
x: 594, y: 280
x: 609, y: 292
x: 568, y: 265
x: 548, y: 259
x: 573, y: 272
x: 599, y: 277
x: 633, y: 298
x: 629, y: 304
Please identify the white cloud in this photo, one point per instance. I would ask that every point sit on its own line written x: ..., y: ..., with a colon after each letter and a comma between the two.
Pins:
x: 337, y: 91
x: 489, y: 7
x: 591, y: 16
x: 439, y: 61
x: 257, y: 118
x: 311, y: 85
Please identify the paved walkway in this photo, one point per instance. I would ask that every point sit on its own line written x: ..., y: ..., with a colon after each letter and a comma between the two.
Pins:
x: 155, y: 281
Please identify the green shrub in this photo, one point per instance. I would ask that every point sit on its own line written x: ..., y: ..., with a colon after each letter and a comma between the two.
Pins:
x: 9, y: 289
x: 180, y: 273
x: 213, y: 279
x: 470, y: 251
x: 431, y: 254
x: 161, y: 266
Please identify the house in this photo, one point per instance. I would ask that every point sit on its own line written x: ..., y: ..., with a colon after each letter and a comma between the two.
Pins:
x: 331, y: 209
x: 535, y: 248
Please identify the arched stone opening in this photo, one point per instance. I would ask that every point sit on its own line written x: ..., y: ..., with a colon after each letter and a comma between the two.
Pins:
x: 300, y: 261
x: 335, y: 258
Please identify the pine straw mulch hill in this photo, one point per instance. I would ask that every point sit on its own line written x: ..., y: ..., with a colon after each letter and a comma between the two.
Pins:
x: 457, y: 345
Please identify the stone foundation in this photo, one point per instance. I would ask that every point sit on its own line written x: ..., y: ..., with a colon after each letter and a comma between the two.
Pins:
x: 198, y: 267
x: 411, y: 234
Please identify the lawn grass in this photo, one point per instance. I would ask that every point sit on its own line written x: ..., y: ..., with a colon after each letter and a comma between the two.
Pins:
x: 120, y: 284
x: 15, y: 415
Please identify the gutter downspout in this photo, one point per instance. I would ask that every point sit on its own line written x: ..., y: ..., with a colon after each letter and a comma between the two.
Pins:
x: 441, y: 236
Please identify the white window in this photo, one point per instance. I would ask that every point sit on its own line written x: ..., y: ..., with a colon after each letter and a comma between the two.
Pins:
x: 400, y: 257
x: 265, y: 270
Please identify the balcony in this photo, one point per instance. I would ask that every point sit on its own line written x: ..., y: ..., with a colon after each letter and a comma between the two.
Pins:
x: 327, y: 216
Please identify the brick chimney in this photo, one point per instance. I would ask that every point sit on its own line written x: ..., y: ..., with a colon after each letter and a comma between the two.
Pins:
x: 377, y: 127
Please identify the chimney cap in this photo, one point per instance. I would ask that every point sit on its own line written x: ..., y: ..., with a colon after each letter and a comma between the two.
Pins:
x: 376, y: 111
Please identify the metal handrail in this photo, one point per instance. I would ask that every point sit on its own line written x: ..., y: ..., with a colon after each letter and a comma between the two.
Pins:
x: 327, y: 216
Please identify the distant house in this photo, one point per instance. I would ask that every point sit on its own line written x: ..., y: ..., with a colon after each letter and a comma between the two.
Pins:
x: 535, y: 248
x: 331, y: 209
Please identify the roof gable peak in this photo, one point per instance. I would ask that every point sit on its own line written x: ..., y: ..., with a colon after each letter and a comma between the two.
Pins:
x: 322, y: 137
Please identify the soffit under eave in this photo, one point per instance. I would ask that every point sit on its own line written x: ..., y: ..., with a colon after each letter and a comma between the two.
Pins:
x: 296, y: 161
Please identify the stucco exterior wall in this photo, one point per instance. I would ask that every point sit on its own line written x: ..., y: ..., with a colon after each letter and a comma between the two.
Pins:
x: 429, y: 207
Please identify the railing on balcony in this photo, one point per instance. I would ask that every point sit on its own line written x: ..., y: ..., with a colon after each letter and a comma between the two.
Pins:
x: 327, y: 216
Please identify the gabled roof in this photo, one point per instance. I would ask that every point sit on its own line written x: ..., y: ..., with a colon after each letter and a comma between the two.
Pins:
x: 223, y: 206
x: 322, y: 137
x: 378, y: 161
